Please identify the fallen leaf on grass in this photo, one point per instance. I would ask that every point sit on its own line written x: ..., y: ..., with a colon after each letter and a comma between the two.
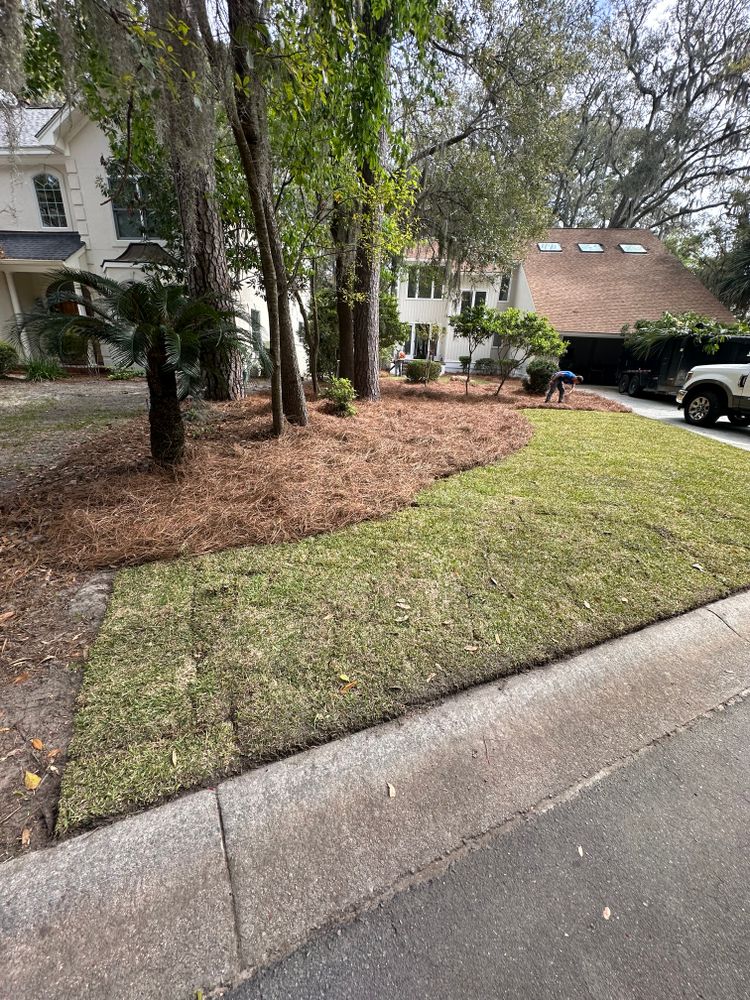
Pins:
x: 37, y: 743
x: 430, y: 677
x: 25, y: 837
x: 606, y: 913
x: 587, y: 605
x: 174, y: 759
x: 343, y: 677
x: 20, y: 679
x: 580, y: 850
x: 471, y: 649
x: 391, y: 790
x: 53, y: 753
x: 348, y: 687
x: 498, y: 640
x: 698, y: 567
x: 31, y: 780
x: 494, y: 582
x: 624, y: 600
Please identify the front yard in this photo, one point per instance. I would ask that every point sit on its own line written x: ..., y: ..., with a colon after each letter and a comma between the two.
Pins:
x: 205, y: 665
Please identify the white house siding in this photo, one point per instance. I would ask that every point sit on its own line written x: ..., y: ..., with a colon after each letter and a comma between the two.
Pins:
x: 72, y: 149
x: 437, y: 312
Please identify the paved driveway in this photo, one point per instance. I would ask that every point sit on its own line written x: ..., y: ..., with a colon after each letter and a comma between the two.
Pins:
x: 664, y: 409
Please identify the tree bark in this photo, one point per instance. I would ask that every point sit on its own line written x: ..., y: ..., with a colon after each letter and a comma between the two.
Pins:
x: 191, y: 139
x: 249, y: 121
x: 167, y: 431
x: 342, y: 236
x: 366, y: 312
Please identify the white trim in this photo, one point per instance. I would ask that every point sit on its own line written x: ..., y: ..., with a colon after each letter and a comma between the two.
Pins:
x: 53, y: 172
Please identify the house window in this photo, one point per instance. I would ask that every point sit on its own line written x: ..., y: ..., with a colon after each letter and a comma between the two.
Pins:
x: 132, y: 219
x: 51, y: 205
x: 423, y: 283
x: 632, y: 248
x: 502, y: 292
x: 550, y: 247
x: 471, y: 298
x: 591, y: 248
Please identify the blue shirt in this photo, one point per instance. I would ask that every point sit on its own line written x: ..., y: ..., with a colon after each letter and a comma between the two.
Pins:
x: 568, y: 377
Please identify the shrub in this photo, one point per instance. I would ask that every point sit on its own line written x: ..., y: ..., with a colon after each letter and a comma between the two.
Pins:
x: 464, y: 360
x: 485, y: 366
x: 8, y: 358
x: 538, y: 374
x: 341, y: 394
x: 44, y: 370
x: 419, y: 370
x: 125, y: 374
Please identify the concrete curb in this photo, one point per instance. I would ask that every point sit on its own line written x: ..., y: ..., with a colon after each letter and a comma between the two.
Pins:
x: 197, y: 892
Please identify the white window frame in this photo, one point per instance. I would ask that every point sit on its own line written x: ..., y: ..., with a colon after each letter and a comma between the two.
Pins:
x: 46, y: 171
x: 549, y: 247
x: 591, y: 248
x: 433, y: 283
x: 637, y: 249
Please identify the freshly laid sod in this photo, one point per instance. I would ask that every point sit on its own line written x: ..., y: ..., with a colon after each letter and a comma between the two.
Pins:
x: 204, y: 666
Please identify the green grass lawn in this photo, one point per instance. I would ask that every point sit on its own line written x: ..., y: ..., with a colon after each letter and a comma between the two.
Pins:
x: 208, y: 665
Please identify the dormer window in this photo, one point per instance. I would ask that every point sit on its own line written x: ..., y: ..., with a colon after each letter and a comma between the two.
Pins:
x: 50, y: 199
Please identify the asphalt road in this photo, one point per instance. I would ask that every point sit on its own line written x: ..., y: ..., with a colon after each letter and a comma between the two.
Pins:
x: 664, y: 409
x: 636, y: 888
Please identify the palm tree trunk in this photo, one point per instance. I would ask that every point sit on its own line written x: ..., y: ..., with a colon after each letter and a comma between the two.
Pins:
x: 167, y: 431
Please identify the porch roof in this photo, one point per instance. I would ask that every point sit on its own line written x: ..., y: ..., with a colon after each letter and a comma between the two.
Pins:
x: 38, y: 246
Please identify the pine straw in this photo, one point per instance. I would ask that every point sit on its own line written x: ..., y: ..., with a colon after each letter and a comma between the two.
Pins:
x: 105, y: 506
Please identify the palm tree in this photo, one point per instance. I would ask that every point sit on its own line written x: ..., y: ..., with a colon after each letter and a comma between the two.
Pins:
x: 149, y: 323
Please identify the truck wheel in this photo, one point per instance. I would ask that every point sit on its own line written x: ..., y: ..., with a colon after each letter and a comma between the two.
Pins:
x: 702, y: 408
x: 622, y: 385
x: 634, y: 386
x: 738, y: 419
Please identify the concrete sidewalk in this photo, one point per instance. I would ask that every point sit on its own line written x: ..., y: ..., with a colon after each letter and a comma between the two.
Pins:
x: 636, y: 889
x: 204, y: 890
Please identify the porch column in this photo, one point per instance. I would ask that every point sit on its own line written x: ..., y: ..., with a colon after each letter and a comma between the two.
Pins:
x: 16, y: 306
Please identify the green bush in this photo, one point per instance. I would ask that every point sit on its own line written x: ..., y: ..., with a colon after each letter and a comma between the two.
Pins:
x: 44, y: 370
x: 464, y: 360
x: 125, y: 374
x: 419, y: 370
x: 8, y: 358
x: 341, y: 394
x: 538, y: 373
x: 485, y: 366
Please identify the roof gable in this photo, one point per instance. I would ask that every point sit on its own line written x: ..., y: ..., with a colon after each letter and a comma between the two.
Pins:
x: 600, y: 292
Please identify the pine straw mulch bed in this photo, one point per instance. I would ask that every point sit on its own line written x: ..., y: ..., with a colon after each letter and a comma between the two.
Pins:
x: 106, y: 507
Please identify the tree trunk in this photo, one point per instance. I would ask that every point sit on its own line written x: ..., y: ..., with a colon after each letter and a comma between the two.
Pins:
x: 342, y: 236
x: 167, y: 431
x: 191, y: 136
x: 315, y: 347
x: 367, y: 304
x: 246, y: 108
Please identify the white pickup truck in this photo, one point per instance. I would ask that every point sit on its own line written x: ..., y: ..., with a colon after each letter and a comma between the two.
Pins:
x: 713, y: 391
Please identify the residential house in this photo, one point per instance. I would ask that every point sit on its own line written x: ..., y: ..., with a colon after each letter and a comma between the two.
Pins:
x: 588, y: 282
x: 54, y: 212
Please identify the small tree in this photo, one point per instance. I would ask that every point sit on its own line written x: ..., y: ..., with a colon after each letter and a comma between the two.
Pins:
x: 475, y: 325
x: 151, y: 324
x: 523, y: 335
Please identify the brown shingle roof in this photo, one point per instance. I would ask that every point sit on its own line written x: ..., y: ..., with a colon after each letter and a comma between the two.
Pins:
x: 600, y: 292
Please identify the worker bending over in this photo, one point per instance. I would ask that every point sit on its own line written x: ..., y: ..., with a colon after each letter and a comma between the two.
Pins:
x: 559, y: 381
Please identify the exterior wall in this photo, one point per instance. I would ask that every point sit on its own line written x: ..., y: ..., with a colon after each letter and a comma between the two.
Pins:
x: 75, y: 160
x: 437, y: 312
